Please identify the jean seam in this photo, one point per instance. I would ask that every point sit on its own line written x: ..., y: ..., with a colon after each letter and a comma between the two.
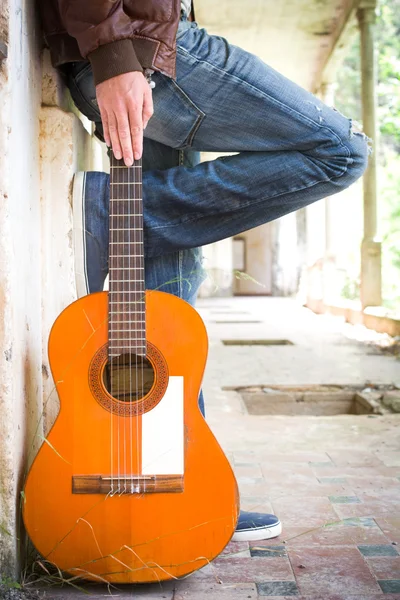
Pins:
x: 201, y: 216
x: 82, y: 72
x: 87, y: 102
x: 264, y: 95
x: 200, y: 115
x: 180, y: 259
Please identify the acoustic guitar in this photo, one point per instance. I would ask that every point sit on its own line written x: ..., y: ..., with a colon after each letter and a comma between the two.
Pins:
x: 131, y: 485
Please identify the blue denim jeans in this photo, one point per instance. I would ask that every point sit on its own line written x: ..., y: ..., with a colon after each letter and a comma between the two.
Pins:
x: 292, y: 150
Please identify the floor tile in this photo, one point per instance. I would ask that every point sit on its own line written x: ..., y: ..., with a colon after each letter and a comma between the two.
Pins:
x: 390, y: 586
x: 277, y: 588
x: 252, y: 570
x: 157, y: 591
x: 378, y: 550
x: 384, y: 567
x: 391, y: 527
x: 306, y: 511
x: 325, y: 570
x: 372, y: 505
x: 248, y: 471
x: 360, y: 522
x: 267, y: 551
x: 255, y: 504
x: 354, y: 458
x: 344, y: 499
x: 332, y: 535
x: 236, y: 549
x: 187, y: 590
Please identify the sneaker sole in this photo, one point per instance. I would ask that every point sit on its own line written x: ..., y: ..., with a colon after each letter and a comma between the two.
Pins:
x: 79, y: 233
x: 253, y: 534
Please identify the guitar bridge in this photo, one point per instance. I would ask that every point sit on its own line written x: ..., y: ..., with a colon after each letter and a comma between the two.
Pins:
x: 127, y: 484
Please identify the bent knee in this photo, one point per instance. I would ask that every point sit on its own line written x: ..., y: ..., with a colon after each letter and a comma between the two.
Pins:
x: 347, y: 159
x: 360, y: 147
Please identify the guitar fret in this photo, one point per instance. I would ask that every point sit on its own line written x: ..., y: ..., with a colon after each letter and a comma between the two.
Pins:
x: 119, y: 322
x: 136, y: 347
x: 127, y: 330
x: 125, y: 303
x: 124, y: 345
x: 113, y: 312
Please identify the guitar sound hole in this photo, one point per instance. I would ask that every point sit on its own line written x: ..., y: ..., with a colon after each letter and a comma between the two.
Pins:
x: 128, y: 377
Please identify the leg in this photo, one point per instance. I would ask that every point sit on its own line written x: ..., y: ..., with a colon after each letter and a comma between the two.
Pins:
x: 294, y: 150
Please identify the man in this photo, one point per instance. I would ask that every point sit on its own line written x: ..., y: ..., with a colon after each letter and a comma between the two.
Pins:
x: 209, y: 96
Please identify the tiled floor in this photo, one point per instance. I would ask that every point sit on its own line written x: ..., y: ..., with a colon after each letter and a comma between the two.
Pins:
x: 333, y: 481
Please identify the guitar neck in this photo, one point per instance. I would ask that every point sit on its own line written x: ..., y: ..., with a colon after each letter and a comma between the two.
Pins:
x: 126, y: 298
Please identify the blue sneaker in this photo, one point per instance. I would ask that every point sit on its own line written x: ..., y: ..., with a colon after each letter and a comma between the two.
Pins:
x: 253, y: 526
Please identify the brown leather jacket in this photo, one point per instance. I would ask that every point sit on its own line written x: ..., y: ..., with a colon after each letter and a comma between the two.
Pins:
x: 117, y: 36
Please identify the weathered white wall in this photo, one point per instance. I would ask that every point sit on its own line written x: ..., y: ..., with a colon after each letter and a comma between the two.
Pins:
x: 40, y: 147
x: 258, y: 262
x: 217, y: 260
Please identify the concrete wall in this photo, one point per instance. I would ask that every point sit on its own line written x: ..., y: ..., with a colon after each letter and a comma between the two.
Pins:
x: 217, y: 260
x: 40, y: 148
x: 257, y: 276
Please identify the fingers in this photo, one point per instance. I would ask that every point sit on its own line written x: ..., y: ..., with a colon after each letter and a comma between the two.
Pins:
x: 124, y: 135
x: 136, y: 131
x: 147, y: 106
x: 126, y: 105
x: 114, y: 137
x: 106, y: 132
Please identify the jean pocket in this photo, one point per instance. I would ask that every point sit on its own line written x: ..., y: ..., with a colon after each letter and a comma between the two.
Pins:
x: 83, y: 92
x: 176, y: 117
x: 81, y: 69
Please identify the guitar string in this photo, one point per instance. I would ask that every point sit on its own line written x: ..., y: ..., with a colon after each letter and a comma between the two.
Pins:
x: 137, y: 333
x: 123, y: 373
x: 110, y: 323
x: 142, y: 271
x: 128, y: 221
x: 134, y: 321
x: 118, y: 319
x: 138, y: 313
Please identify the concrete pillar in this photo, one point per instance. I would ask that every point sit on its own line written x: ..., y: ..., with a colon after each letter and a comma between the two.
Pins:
x: 371, y: 277
x: 327, y: 94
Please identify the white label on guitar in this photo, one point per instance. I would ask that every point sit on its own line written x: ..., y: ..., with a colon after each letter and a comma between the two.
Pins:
x: 162, y: 433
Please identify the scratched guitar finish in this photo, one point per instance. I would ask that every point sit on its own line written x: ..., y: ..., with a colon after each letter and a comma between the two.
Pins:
x: 132, y: 486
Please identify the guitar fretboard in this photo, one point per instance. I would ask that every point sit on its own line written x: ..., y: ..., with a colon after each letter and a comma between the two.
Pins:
x: 126, y: 298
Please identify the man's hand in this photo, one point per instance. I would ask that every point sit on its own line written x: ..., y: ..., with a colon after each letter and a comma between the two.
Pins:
x: 126, y: 106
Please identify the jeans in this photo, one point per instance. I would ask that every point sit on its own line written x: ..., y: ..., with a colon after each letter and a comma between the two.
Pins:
x: 292, y: 150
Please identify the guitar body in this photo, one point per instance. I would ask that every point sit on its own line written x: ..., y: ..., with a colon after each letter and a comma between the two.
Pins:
x: 155, y: 520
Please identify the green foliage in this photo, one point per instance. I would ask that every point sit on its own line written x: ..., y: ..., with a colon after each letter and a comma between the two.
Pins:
x: 348, y: 101
x: 10, y: 583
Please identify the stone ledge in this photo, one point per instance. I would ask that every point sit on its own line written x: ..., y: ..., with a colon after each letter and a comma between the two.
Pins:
x: 373, y: 317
